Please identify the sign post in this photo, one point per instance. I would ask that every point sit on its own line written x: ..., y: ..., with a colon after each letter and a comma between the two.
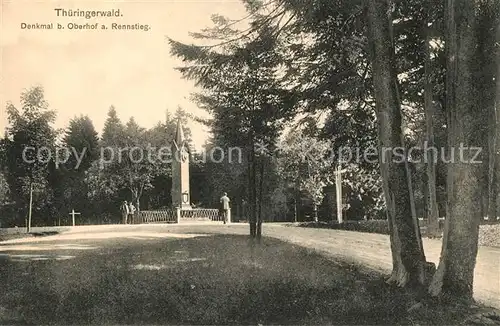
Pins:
x: 338, y: 184
x: 73, y: 213
x: 30, y: 209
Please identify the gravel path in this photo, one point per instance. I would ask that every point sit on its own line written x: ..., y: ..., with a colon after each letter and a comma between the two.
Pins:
x: 489, y: 235
x: 373, y: 250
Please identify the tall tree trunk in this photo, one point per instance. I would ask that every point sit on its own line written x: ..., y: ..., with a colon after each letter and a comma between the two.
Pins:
x: 455, y: 273
x: 295, y: 202
x: 138, y: 201
x: 411, y: 171
x: 135, y: 196
x: 407, y: 252
x: 251, y: 194
x: 261, y: 189
x: 431, y: 155
x: 494, y: 131
x: 315, y: 213
x: 487, y: 24
x: 254, y: 194
x: 485, y: 183
x: 494, y: 208
x: 425, y: 195
x: 493, y: 171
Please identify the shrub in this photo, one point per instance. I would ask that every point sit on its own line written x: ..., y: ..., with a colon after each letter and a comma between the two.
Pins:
x: 371, y: 226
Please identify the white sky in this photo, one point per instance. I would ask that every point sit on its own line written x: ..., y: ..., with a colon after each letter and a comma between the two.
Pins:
x: 87, y: 71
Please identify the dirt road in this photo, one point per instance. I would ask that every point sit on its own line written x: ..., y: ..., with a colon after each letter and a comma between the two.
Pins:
x: 373, y: 250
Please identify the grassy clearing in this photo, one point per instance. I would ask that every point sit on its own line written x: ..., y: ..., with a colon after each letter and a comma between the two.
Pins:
x: 206, y: 280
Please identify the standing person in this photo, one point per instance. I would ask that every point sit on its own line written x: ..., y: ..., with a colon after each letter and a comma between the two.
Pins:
x: 131, y: 212
x: 125, y: 211
x: 224, y: 200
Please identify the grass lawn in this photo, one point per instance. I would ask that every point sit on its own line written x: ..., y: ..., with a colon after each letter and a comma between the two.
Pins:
x: 205, y: 280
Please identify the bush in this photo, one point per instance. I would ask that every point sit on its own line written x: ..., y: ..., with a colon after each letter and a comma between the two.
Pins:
x: 372, y: 226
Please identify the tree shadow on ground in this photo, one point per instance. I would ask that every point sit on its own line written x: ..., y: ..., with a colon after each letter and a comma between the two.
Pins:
x: 207, y: 280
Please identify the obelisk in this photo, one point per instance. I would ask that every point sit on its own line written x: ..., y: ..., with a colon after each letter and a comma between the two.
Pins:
x: 180, y: 170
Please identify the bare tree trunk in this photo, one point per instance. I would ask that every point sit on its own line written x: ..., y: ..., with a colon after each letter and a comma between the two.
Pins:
x: 455, y: 273
x: 487, y: 22
x: 493, y: 171
x: 135, y: 197
x: 494, y: 136
x: 251, y: 194
x: 295, y: 206
x: 407, y: 252
x: 494, y: 207
x: 261, y: 189
x: 432, y: 213
x: 425, y: 195
x: 485, y: 182
x: 254, y: 192
x: 315, y: 213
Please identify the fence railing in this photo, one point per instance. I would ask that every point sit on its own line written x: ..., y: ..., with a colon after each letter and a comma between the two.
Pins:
x: 200, y: 213
x: 159, y: 216
x: 174, y: 215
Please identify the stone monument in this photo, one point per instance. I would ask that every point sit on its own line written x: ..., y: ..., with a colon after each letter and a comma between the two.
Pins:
x: 180, y: 170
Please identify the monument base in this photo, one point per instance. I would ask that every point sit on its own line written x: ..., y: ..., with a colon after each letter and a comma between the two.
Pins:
x: 182, y: 206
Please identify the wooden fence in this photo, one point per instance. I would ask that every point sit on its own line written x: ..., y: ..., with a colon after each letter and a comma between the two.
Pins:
x: 201, y: 213
x: 159, y: 216
x: 173, y: 215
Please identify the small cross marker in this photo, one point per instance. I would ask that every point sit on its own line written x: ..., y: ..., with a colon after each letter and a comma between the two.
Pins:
x: 73, y: 213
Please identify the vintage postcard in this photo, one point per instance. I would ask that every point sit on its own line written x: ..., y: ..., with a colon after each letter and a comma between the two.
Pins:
x: 249, y: 162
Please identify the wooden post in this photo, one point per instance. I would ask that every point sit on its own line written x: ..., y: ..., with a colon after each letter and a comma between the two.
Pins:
x: 338, y: 183
x: 73, y: 213
x: 30, y: 208
x: 238, y: 210
x: 228, y: 215
x: 178, y: 214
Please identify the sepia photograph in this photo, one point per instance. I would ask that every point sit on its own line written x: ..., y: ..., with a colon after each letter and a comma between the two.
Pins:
x: 250, y: 162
